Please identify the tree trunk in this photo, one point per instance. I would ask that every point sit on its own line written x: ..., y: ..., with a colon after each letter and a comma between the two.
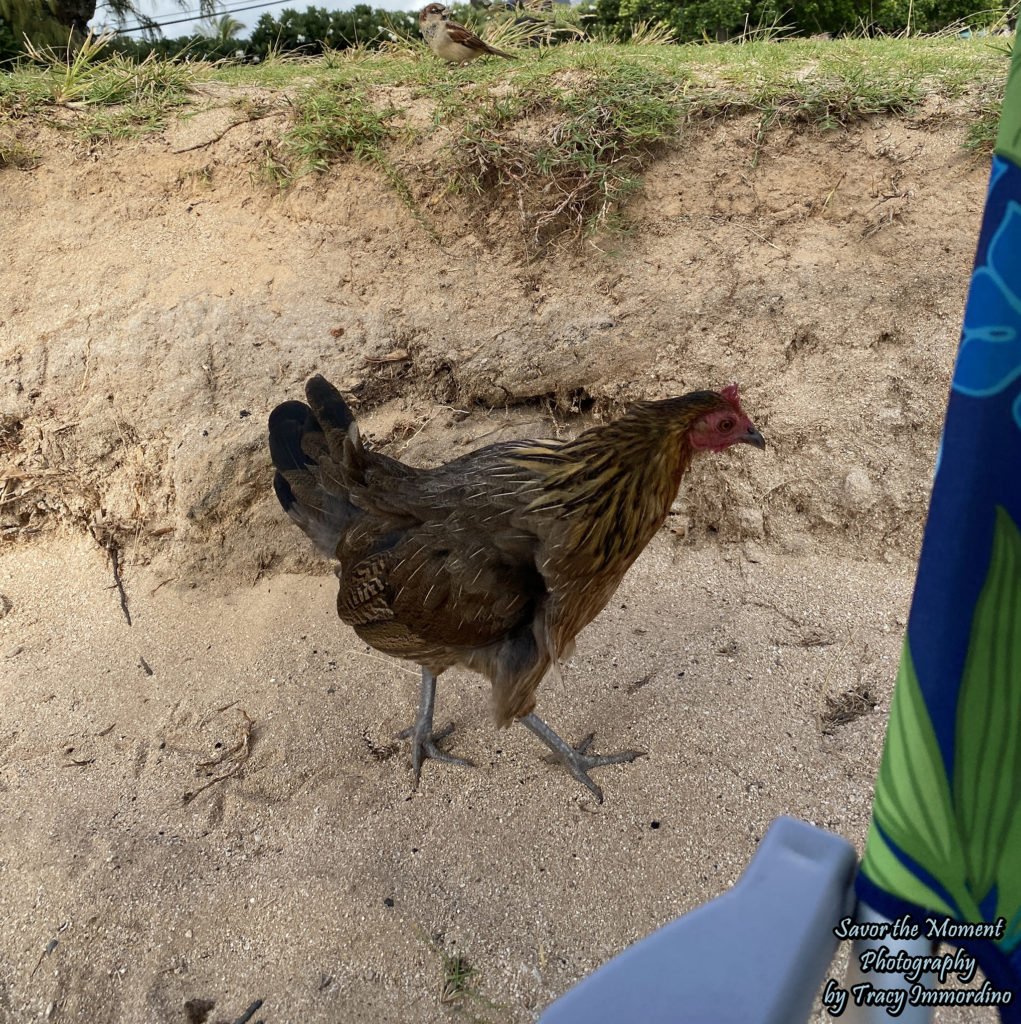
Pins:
x: 75, y: 14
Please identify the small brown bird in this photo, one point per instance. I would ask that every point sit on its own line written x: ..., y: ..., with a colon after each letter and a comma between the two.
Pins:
x: 496, y: 560
x: 451, y: 41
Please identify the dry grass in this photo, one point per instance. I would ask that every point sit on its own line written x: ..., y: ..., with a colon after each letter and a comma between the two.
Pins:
x: 846, y: 707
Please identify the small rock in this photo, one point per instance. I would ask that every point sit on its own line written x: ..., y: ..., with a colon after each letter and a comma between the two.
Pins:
x: 750, y: 522
x: 890, y: 416
x: 797, y: 544
x: 753, y: 552
x: 679, y: 525
x: 6, y: 605
x: 858, y: 489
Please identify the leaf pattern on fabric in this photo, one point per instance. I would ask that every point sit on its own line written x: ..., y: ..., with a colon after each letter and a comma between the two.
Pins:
x: 987, y: 769
x: 989, y: 359
x: 965, y: 835
x: 913, y: 804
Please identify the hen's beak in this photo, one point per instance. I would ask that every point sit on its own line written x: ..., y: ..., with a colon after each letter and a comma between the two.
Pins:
x: 753, y: 437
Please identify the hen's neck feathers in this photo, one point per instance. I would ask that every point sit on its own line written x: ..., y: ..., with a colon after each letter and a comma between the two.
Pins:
x: 615, y: 483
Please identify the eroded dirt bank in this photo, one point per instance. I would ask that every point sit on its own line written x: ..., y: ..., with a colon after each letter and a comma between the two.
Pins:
x: 156, y: 306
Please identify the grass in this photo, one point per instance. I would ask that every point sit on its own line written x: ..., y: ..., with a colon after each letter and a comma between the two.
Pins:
x: 459, y: 979
x: 981, y: 133
x: 13, y: 152
x: 123, y: 122
x: 562, y: 134
x: 331, y: 120
x: 566, y: 155
x: 116, y: 97
x: 90, y: 77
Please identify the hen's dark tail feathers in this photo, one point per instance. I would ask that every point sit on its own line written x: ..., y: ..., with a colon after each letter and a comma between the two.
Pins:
x: 317, y: 452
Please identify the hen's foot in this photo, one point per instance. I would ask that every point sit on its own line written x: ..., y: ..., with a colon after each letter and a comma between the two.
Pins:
x: 423, y: 739
x: 577, y: 760
x: 423, y: 745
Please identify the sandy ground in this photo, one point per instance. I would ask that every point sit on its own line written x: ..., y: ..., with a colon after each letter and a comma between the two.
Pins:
x: 155, y: 306
x: 277, y: 883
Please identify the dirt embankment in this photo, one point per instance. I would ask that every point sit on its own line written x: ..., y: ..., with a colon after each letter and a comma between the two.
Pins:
x: 207, y: 807
x: 157, y: 303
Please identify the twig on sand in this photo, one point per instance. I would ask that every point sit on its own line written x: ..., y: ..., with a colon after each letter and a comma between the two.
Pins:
x: 249, y: 1013
x: 238, y: 751
x: 238, y: 754
x: 766, y: 240
x: 112, y: 549
x: 233, y: 124
x: 163, y: 583
x: 833, y: 191
x: 51, y: 946
x: 219, y: 711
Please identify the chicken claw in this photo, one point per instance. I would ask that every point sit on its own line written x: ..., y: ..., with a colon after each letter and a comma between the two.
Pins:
x: 576, y: 759
x: 423, y: 739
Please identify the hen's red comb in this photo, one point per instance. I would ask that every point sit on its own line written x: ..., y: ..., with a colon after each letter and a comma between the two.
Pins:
x: 730, y: 394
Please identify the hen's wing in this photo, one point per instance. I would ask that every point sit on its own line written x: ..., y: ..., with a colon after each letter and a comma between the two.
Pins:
x: 441, y: 562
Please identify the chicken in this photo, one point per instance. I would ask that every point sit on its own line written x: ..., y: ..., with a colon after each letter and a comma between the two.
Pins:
x: 496, y: 560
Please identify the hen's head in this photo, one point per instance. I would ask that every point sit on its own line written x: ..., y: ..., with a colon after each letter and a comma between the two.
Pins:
x: 724, y: 425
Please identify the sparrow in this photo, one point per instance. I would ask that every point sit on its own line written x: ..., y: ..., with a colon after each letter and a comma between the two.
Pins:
x: 451, y: 41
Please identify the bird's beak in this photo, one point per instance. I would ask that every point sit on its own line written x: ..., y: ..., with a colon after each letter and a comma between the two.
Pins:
x: 753, y: 437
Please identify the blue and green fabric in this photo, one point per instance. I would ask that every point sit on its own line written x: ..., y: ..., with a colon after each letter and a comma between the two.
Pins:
x: 945, y: 837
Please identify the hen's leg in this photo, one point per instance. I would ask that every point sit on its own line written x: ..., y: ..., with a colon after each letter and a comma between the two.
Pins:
x: 423, y: 739
x: 575, y: 759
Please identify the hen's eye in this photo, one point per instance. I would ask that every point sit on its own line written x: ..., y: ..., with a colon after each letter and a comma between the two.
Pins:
x: 726, y: 425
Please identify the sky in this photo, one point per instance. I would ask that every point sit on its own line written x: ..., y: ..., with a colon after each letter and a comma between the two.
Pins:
x: 164, y: 11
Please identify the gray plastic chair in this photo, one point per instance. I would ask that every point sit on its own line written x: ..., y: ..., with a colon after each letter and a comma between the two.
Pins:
x: 755, y: 955
x: 758, y: 954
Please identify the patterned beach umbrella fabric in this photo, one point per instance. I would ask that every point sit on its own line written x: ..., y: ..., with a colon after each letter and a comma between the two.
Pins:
x: 945, y: 837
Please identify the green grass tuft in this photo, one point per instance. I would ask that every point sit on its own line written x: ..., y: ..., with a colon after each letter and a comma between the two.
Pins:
x: 566, y: 153
x: 331, y: 120
x: 15, y: 154
x: 118, y: 97
x: 981, y: 135
x: 460, y: 980
x: 86, y: 77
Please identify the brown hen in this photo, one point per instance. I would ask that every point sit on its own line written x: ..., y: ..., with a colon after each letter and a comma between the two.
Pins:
x: 496, y: 560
